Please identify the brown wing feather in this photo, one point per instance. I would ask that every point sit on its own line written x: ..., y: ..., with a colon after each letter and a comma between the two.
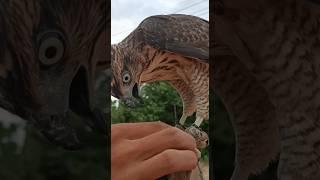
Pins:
x: 183, y: 34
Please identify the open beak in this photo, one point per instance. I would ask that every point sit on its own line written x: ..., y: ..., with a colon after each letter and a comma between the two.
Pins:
x: 79, y: 102
x: 132, y: 98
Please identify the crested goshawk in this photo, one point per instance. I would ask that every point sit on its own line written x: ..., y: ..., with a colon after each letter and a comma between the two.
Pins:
x: 172, y: 48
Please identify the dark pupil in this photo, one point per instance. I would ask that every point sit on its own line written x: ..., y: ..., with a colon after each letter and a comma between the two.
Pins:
x: 126, y: 78
x: 51, y: 52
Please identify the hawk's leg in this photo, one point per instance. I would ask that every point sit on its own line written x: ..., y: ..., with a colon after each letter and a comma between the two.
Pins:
x: 198, y: 121
x: 200, y: 87
x: 187, y: 96
x: 183, y: 119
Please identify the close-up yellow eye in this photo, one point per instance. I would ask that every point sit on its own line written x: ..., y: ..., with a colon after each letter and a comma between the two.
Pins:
x: 126, y: 77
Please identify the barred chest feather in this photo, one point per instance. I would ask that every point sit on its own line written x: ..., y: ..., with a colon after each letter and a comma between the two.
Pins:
x: 168, y: 66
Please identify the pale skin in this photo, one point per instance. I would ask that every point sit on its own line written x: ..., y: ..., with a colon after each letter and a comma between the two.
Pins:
x: 150, y: 150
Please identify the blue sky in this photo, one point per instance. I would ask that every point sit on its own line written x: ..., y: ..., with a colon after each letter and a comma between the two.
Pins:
x: 127, y: 14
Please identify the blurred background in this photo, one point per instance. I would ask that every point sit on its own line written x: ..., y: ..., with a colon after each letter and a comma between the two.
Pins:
x: 26, y: 155
x: 223, y: 146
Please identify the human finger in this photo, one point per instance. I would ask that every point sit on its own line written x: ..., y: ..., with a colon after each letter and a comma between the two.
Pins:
x: 168, y: 162
x: 169, y: 138
x: 136, y: 130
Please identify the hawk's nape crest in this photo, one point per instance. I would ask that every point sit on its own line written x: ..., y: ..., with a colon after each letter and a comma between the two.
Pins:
x: 48, y: 53
x: 173, y: 48
x: 266, y: 70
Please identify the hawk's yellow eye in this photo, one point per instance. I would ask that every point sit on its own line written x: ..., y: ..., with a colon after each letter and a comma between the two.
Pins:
x: 126, y: 77
x: 51, y: 48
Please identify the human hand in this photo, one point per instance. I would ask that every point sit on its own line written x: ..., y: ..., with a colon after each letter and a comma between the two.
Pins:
x: 149, y: 150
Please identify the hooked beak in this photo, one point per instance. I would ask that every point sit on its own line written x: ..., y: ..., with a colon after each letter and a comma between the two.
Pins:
x: 131, y: 97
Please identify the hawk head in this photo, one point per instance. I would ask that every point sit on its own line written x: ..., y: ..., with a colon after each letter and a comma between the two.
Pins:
x: 126, y: 70
x: 49, y: 51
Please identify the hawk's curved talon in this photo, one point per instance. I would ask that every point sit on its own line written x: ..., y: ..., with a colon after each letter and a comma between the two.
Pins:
x: 201, y: 137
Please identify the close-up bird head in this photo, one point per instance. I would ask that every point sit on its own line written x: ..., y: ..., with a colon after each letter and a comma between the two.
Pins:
x: 49, y: 53
x: 126, y: 71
